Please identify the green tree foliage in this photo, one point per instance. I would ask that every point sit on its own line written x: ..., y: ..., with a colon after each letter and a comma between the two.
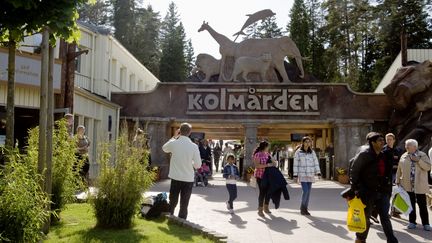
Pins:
x: 123, y: 178
x: 393, y: 16
x: 269, y: 28
x: 124, y: 21
x: 22, y: 201
x: 172, y: 65
x: 363, y: 37
x: 24, y: 17
x: 300, y: 29
x: 317, y: 41
x: 136, y: 28
x: 97, y: 13
x: 190, y: 57
x: 266, y: 28
x: 146, y: 43
x: 65, y: 167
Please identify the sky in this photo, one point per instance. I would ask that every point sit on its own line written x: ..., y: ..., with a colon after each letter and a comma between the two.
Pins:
x: 224, y: 16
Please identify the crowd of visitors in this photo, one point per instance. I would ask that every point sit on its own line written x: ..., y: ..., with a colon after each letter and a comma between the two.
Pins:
x: 376, y: 168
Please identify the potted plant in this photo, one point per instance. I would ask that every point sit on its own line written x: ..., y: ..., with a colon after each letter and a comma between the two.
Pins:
x: 342, y: 175
x: 249, y: 172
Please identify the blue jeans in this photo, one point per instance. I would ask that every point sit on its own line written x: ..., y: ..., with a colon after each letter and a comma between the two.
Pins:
x: 382, y: 204
x: 232, y: 191
x: 306, y: 188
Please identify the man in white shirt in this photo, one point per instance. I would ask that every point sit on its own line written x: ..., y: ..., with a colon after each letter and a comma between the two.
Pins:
x: 185, y: 157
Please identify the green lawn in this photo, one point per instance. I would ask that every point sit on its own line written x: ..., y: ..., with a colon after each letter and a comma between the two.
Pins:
x: 77, y: 225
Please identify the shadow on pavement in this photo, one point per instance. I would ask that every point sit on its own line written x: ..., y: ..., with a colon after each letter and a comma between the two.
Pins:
x: 331, y: 226
x: 237, y: 221
x: 280, y: 224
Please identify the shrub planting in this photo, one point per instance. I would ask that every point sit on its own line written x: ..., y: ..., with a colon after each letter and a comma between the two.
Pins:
x: 66, y: 180
x: 124, y: 176
x: 23, y: 203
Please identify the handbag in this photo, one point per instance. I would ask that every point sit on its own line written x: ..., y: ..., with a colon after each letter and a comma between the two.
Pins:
x: 356, y: 219
x: 253, y: 182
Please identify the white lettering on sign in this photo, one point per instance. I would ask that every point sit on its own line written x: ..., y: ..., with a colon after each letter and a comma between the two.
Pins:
x: 252, y: 101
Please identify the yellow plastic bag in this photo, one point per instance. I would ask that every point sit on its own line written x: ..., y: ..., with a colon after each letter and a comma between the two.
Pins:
x: 356, y: 219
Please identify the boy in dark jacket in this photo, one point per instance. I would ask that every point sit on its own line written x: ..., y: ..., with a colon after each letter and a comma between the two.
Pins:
x: 371, y: 180
x: 231, y: 174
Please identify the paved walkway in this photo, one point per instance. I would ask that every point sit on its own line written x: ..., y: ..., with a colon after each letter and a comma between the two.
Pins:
x: 326, y: 224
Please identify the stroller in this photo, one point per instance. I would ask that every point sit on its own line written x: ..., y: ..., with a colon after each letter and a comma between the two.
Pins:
x: 202, y: 174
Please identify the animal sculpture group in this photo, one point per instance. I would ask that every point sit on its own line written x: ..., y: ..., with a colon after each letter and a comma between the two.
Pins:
x: 250, y: 56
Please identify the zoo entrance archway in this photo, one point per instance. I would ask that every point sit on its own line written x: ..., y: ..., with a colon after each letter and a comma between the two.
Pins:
x: 252, y: 111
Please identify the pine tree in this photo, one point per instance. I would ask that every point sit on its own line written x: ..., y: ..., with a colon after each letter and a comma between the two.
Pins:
x: 394, y: 16
x: 299, y: 29
x: 269, y: 28
x: 335, y: 40
x: 124, y: 21
x: 317, y: 40
x: 189, y: 57
x: 172, y: 66
x: 146, y: 46
x: 98, y: 13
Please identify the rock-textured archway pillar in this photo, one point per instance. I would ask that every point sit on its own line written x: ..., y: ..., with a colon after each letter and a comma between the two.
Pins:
x: 159, y: 132
x: 250, y: 141
x: 349, y: 135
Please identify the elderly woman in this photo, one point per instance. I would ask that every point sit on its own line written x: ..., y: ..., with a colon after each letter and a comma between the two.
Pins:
x: 83, y: 144
x: 412, y: 175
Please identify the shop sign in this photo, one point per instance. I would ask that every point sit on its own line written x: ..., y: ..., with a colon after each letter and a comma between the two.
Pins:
x: 27, y: 70
x: 252, y: 101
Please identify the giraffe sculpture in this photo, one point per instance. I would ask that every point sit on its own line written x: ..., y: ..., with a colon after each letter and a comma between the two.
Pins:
x: 277, y: 48
x: 227, y: 47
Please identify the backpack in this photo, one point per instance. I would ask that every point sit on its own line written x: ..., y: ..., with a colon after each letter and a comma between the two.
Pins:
x: 155, y: 209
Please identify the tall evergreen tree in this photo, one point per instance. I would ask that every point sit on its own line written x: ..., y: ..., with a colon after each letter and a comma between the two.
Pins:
x: 334, y: 40
x: 146, y: 46
x: 299, y: 29
x: 269, y: 28
x: 317, y: 40
x: 98, y: 13
x: 394, y: 16
x: 124, y: 21
x: 172, y: 66
x: 190, y: 57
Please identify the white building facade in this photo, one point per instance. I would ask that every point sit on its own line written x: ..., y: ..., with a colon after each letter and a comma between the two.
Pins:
x: 107, y: 67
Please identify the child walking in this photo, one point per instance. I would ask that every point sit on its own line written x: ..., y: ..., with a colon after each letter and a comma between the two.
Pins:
x: 231, y: 174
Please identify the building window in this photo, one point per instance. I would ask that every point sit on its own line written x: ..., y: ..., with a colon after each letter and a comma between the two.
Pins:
x: 114, y: 78
x: 140, y: 85
x: 132, y: 85
x: 123, y: 78
x: 78, y: 64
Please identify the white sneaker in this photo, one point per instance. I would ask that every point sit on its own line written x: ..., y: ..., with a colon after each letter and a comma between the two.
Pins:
x: 231, y: 211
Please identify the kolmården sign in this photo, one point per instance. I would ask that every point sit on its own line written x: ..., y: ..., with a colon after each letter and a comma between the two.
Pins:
x: 252, y: 101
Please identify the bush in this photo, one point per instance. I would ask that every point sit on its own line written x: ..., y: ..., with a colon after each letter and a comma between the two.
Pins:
x: 22, y: 201
x: 66, y: 180
x: 121, y: 183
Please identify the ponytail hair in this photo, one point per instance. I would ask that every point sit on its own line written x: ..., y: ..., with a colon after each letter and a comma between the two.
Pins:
x: 262, y: 145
